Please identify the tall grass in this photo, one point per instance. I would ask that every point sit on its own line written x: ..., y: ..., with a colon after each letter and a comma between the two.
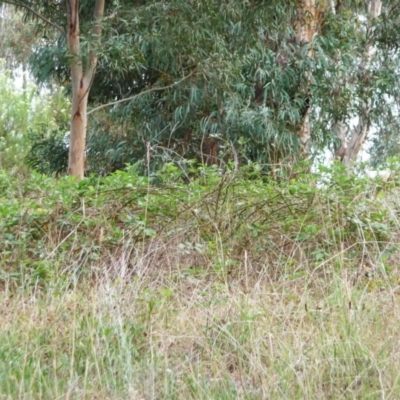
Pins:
x: 227, y: 287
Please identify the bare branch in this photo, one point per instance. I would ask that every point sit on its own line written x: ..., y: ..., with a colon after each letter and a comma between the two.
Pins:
x: 38, y: 15
x: 157, y: 89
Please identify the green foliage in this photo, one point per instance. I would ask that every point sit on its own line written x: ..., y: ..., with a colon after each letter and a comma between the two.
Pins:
x: 219, y: 216
x: 14, y: 121
x: 201, y: 282
x: 222, y: 53
x: 245, y: 89
x: 17, y: 39
x: 49, y: 151
x: 24, y: 111
x: 249, y: 82
x: 223, y: 82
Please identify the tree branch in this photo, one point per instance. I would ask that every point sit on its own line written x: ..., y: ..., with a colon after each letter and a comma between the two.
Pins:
x: 38, y: 15
x: 157, y: 89
x: 96, y: 33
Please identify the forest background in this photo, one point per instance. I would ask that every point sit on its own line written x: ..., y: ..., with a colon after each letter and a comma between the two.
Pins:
x: 241, y: 82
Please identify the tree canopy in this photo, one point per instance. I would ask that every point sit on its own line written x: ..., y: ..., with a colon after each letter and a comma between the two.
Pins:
x: 272, y: 82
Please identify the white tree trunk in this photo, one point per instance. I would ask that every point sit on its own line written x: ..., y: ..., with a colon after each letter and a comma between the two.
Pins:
x: 81, y: 81
x: 306, y: 27
x: 361, y: 131
x: 340, y: 128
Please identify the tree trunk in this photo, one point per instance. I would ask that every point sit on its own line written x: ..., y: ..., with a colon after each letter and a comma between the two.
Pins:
x: 361, y: 131
x: 340, y: 129
x: 81, y: 81
x: 339, y: 124
x: 308, y: 23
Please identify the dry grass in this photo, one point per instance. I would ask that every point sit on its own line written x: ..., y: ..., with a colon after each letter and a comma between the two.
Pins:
x: 239, y: 294
x: 161, y: 333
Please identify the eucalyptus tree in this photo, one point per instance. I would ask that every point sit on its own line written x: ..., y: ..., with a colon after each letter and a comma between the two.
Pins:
x: 16, y: 39
x: 205, y: 76
x: 82, y: 63
x: 351, y: 140
x: 237, y: 79
x: 382, y: 80
x: 81, y: 80
x: 267, y: 81
x: 361, y: 81
x: 271, y: 82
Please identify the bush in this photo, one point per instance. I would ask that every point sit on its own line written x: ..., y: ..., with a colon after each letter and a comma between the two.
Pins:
x: 215, y: 217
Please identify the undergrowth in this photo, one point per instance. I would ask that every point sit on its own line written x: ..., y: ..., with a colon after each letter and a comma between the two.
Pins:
x: 222, y: 286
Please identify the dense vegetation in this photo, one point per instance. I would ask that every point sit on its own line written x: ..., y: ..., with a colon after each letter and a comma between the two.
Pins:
x: 269, y: 82
x: 46, y: 222
x: 223, y: 286
x: 210, y: 252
